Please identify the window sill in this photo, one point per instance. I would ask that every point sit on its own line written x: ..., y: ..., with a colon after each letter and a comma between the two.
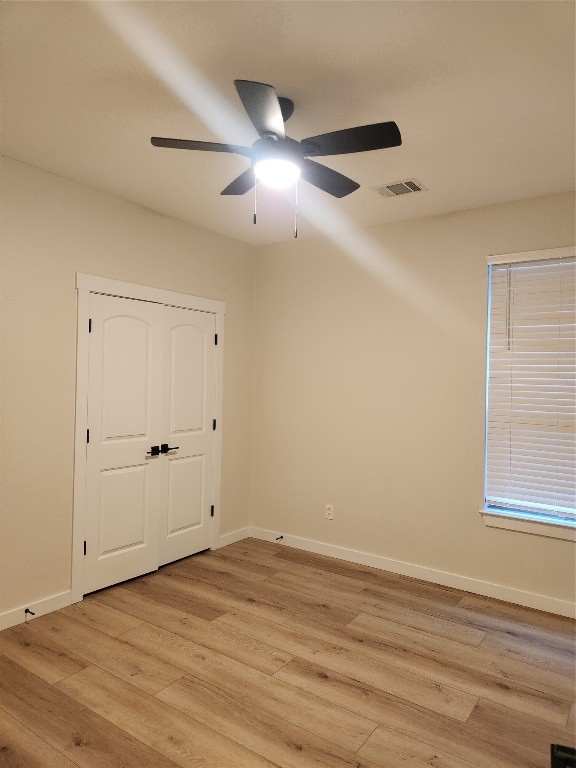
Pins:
x: 527, y: 523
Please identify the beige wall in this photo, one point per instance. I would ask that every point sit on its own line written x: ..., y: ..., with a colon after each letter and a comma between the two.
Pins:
x: 368, y: 378
x: 369, y: 393
x: 52, y: 229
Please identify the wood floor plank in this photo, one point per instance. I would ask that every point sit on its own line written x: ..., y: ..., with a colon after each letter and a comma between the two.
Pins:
x: 378, y: 673
x: 293, y: 749
x: 532, y: 732
x: 109, y: 653
x: 249, y: 550
x: 414, y: 722
x: 364, y: 603
x: 398, y: 751
x: 519, y: 614
x: 39, y: 654
x: 101, y: 617
x: 241, y: 555
x: 480, y: 621
x: 339, y: 689
x: 475, y: 682
x: 226, y: 569
x: 258, y: 655
x: 223, y: 599
x: 322, y: 578
x: 490, y: 722
x: 348, y: 584
x: 521, y: 672
x: 456, y: 656
x: 180, y: 739
x: 242, y: 568
x: 208, y: 634
x: 482, y: 754
x: 22, y: 748
x: 279, y: 565
x: 571, y: 724
x: 275, y: 565
x: 374, y: 576
x: 530, y: 651
x: 155, y: 589
x: 259, y: 546
x: 282, y: 743
x: 212, y: 573
x: 265, y: 593
x: 87, y: 739
x: 252, y: 687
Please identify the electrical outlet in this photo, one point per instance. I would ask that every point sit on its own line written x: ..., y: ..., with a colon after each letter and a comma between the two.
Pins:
x: 329, y: 511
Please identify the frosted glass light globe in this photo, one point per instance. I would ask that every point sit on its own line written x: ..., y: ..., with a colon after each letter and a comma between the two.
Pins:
x: 276, y: 173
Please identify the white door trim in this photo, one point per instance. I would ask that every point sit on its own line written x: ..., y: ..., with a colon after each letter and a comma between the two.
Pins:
x: 85, y: 285
x: 95, y: 284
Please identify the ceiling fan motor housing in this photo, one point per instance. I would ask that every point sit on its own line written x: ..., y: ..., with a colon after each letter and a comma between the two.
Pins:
x: 272, y: 147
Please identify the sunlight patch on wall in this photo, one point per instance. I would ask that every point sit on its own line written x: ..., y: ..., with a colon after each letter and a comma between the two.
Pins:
x: 379, y: 261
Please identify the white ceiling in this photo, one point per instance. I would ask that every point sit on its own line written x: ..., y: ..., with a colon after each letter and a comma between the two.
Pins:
x: 483, y: 93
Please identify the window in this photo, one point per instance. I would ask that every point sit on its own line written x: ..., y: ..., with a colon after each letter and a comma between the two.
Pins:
x: 530, y: 414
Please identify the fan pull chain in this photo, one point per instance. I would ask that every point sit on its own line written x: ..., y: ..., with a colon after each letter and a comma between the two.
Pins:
x: 255, y: 188
x: 296, y: 210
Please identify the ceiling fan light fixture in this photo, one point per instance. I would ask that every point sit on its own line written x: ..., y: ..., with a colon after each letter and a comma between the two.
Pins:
x: 276, y: 159
x: 276, y: 172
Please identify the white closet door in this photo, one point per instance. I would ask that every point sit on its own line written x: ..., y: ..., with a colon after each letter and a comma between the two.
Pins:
x: 124, y: 482
x: 188, y: 411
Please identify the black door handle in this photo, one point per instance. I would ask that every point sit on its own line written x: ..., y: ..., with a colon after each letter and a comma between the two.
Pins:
x: 164, y: 448
x: 154, y: 451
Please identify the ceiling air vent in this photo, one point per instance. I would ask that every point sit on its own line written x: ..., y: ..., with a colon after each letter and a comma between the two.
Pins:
x: 397, y: 188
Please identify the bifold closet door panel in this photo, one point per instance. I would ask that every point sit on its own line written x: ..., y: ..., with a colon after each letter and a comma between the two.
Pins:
x: 189, y: 407
x: 124, y: 479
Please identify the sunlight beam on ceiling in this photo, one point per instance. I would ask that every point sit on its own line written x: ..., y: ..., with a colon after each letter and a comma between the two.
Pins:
x: 176, y: 71
x: 197, y: 93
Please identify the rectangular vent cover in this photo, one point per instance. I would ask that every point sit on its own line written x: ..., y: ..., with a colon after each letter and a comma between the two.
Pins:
x: 397, y: 188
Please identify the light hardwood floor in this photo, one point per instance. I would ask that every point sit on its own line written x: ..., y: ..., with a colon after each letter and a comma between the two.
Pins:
x: 258, y: 655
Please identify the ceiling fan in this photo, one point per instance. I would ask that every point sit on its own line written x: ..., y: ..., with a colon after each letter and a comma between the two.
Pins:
x: 274, y: 152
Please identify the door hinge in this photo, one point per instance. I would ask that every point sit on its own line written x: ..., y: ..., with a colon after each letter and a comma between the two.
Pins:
x: 87, y: 435
x: 90, y: 325
x: 212, y: 511
x: 216, y: 339
x: 213, y: 423
x: 84, y: 549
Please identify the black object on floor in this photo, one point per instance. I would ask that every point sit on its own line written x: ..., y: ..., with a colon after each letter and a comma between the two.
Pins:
x: 562, y: 757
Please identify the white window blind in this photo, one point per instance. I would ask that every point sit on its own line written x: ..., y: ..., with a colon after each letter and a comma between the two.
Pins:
x: 530, y: 430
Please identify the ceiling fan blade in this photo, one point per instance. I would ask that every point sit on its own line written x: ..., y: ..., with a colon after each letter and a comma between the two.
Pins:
x: 206, y: 146
x: 327, y: 179
x: 241, y: 184
x: 262, y: 106
x: 286, y: 107
x: 363, y: 138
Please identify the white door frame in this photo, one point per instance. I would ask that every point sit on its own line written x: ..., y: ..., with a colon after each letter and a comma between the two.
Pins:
x: 85, y: 285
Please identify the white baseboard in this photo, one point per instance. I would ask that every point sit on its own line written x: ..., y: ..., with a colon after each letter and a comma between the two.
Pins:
x: 232, y: 537
x: 444, y: 578
x: 476, y: 586
x: 39, y: 608
x: 62, y: 599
